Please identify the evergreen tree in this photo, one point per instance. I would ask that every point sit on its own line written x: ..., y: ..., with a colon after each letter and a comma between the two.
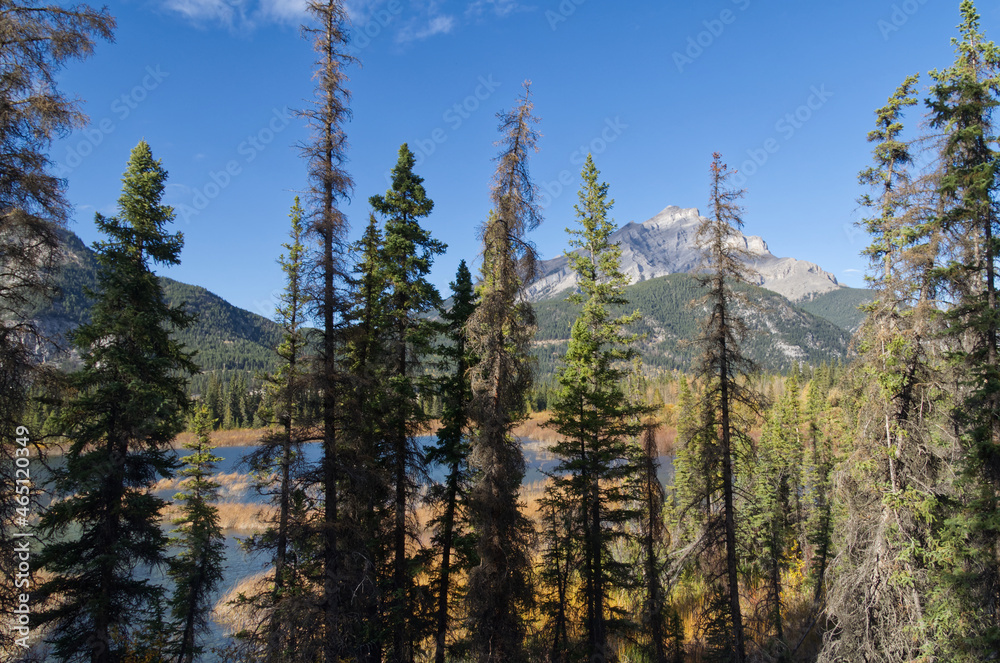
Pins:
x: 451, y: 528
x: 560, y: 561
x: 772, y: 512
x: 890, y: 483
x: 128, y: 406
x: 725, y: 368
x: 595, y: 418
x: 817, y: 488
x: 330, y: 184
x: 656, y: 616
x: 366, y: 517
x: 500, y: 332
x: 290, y: 624
x: 38, y: 41
x: 963, y: 101
x: 408, y: 254
x: 214, y: 400
x: 197, y: 569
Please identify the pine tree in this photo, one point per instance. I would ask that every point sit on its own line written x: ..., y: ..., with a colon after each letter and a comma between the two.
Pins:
x: 656, y: 613
x: 595, y: 418
x: 366, y: 515
x: 197, y: 569
x: 963, y: 101
x: 408, y: 254
x: 774, y: 478
x: 330, y: 184
x: 817, y: 489
x: 38, y: 41
x: 290, y: 626
x: 725, y: 368
x: 451, y: 528
x: 214, y: 399
x: 500, y: 332
x: 128, y: 406
x: 560, y: 561
x: 890, y: 483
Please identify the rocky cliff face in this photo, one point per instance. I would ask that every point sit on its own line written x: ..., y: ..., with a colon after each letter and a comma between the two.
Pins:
x: 666, y: 245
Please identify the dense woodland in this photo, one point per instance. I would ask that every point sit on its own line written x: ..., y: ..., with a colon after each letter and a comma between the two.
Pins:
x: 844, y: 512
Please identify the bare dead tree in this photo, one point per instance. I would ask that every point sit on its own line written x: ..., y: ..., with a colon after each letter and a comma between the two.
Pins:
x: 330, y: 185
x: 500, y: 332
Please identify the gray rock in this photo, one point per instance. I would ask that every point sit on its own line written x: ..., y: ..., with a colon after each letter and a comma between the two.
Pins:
x: 665, y: 245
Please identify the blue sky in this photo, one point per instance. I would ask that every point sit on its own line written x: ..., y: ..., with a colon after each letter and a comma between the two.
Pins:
x: 786, y: 91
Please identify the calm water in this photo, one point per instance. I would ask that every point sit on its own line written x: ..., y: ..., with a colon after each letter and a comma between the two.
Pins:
x: 239, y: 565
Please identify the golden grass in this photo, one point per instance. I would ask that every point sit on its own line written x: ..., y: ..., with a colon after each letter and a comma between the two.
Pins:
x: 538, y: 437
x: 235, y: 619
x: 234, y: 516
x: 244, y: 437
x: 233, y: 486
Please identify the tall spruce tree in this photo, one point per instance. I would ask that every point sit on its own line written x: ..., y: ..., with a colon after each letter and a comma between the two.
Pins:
x: 38, y: 41
x: 129, y: 398
x: 197, y: 569
x: 330, y: 185
x: 366, y: 511
x: 289, y: 623
x: 774, y: 481
x: 500, y: 332
x: 408, y: 254
x: 727, y: 395
x: 597, y: 421
x: 891, y: 481
x: 452, y: 535
x: 963, y: 102
x: 657, y: 618
x: 559, y: 568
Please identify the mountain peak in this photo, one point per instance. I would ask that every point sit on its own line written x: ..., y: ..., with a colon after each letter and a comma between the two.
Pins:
x: 666, y: 244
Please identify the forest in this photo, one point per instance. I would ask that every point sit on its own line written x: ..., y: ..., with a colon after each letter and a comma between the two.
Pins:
x: 701, y: 502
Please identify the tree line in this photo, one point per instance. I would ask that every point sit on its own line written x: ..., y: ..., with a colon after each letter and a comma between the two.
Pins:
x: 848, y: 517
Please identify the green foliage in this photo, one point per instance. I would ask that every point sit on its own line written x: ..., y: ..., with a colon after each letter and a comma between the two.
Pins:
x: 452, y: 534
x: 843, y: 307
x: 127, y: 406
x: 598, y: 421
x: 197, y: 569
x: 285, y: 618
x: 405, y: 261
x: 669, y: 321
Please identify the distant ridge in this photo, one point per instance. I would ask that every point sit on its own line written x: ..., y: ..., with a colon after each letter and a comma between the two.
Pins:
x: 226, y: 337
x: 782, y: 335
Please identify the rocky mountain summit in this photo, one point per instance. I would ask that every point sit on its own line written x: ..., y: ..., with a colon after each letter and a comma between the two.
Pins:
x: 666, y: 245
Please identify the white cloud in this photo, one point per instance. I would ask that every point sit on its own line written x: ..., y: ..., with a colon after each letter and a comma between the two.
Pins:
x: 241, y: 15
x: 439, y: 25
x: 852, y: 271
x: 204, y: 10
x: 425, y: 17
x: 498, y: 7
x: 283, y: 11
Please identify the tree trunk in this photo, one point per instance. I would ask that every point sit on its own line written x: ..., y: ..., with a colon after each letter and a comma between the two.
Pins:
x: 444, y: 589
x: 732, y: 562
